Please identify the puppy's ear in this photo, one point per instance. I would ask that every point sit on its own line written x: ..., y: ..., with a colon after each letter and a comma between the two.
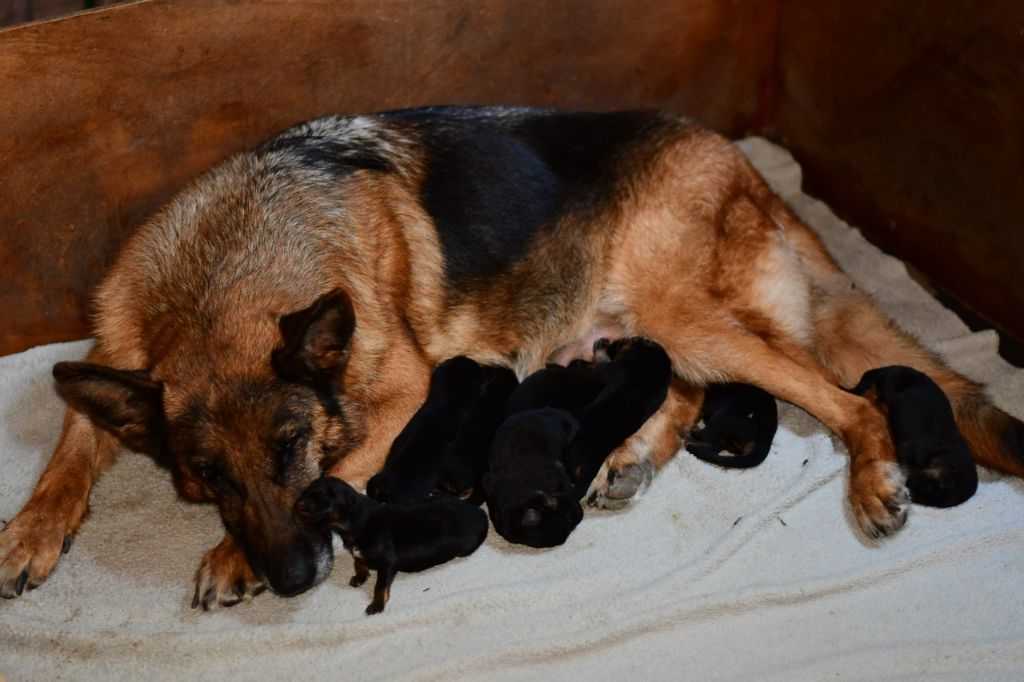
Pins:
x: 125, y: 403
x: 317, y: 340
x: 531, y: 518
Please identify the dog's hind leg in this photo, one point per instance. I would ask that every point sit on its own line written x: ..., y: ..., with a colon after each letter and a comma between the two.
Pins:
x: 382, y: 589
x: 853, y: 336
x: 32, y: 542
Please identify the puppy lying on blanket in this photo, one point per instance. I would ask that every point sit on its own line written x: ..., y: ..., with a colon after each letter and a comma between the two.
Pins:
x: 738, y: 418
x: 389, y: 538
x: 543, y: 461
x: 444, y: 446
x: 935, y: 455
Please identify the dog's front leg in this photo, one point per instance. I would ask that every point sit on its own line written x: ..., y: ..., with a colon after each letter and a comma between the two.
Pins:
x: 630, y: 468
x: 33, y: 541
x: 224, y: 577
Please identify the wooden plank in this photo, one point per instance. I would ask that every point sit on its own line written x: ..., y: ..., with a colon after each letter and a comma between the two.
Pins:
x: 909, y: 117
x: 117, y: 109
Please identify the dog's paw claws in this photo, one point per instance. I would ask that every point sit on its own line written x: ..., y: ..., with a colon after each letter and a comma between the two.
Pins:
x: 29, y: 551
x: 224, y: 578
x: 616, y: 486
x: 879, y: 498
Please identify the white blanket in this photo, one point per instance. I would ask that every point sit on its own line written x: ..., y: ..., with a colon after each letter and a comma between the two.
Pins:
x: 713, y: 574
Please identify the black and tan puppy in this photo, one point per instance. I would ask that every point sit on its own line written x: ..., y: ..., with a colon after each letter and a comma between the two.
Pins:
x: 389, y: 538
x: 538, y: 475
x: 453, y: 426
x: 739, y: 418
x: 930, y: 447
x: 611, y: 398
x: 464, y: 459
x: 529, y: 494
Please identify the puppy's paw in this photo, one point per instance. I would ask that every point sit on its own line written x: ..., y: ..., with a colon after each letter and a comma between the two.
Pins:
x: 879, y: 498
x: 30, y: 547
x: 374, y: 608
x: 621, y: 478
x: 224, y: 577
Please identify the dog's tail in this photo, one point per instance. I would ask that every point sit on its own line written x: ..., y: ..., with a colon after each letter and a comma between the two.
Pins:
x: 853, y: 336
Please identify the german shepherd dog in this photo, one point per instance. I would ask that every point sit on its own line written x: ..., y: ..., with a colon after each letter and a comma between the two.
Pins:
x: 280, y: 317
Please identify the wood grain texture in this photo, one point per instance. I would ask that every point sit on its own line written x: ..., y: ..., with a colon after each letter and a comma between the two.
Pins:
x: 115, y: 110
x: 908, y: 117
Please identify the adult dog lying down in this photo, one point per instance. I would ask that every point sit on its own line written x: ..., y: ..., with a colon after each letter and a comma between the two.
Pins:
x: 280, y: 317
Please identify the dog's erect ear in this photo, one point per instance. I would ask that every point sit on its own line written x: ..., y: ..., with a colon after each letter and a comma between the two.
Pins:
x: 125, y: 403
x: 316, y: 340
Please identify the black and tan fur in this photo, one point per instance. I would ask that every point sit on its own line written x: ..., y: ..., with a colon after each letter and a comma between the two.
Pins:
x: 502, y: 234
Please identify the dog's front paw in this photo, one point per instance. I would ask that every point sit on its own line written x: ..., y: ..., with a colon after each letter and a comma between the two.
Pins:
x: 622, y: 477
x: 879, y: 498
x: 30, y: 547
x: 224, y: 577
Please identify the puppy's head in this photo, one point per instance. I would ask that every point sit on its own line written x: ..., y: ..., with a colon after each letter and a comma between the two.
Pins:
x: 327, y: 501
x: 249, y: 439
x: 538, y: 519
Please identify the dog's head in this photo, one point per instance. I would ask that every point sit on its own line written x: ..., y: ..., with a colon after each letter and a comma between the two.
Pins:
x: 249, y: 442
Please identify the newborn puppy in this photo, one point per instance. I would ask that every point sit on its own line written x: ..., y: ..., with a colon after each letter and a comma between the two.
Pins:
x: 411, y: 468
x: 739, y: 418
x: 529, y: 495
x: 536, y: 502
x: 935, y: 456
x: 464, y: 459
x: 389, y: 538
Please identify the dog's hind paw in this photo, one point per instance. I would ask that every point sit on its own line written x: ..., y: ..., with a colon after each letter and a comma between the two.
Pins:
x: 879, y: 498
x: 224, y: 577
x: 29, y: 550
x: 620, y: 480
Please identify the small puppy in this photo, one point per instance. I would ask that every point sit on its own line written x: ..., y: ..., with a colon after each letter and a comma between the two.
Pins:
x: 529, y: 495
x: 464, y: 459
x: 738, y: 418
x: 563, y: 423
x: 449, y: 434
x: 932, y: 451
x: 389, y: 538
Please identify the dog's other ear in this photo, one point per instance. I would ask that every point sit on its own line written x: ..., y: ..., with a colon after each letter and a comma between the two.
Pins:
x: 125, y: 403
x: 317, y: 340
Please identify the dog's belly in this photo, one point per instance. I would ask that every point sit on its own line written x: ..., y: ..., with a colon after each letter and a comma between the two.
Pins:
x: 582, y: 347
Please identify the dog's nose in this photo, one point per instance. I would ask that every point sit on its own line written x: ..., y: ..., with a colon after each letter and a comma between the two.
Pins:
x: 290, y: 576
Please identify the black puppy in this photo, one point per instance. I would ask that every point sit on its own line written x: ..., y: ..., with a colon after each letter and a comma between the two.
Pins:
x: 610, y: 399
x: 464, y: 459
x: 389, y: 538
x: 739, y: 418
x: 529, y: 494
x: 449, y: 434
x: 932, y: 451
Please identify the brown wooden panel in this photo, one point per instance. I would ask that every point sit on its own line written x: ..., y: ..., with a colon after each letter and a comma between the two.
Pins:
x: 114, y: 110
x: 909, y: 117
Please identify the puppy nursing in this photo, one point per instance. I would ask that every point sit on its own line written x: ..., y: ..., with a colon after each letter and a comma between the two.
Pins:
x: 563, y: 423
x: 530, y: 450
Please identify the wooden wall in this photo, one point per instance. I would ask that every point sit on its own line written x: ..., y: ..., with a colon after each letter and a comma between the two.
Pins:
x: 909, y: 118
x: 906, y: 115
